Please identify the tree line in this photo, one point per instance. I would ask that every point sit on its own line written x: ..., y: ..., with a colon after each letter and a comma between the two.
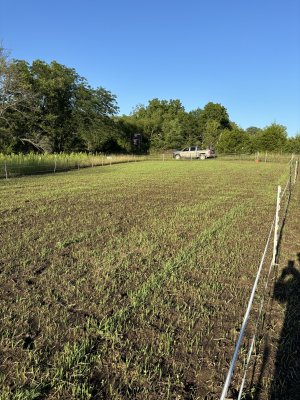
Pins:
x: 48, y: 107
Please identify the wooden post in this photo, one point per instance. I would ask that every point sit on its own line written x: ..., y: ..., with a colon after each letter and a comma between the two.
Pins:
x: 276, y: 227
x: 54, y: 165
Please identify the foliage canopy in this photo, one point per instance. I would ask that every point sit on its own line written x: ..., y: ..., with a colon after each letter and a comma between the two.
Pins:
x: 49, y: 107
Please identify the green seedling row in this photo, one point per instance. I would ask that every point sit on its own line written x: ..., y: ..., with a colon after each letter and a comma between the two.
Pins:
x: 129, y: 281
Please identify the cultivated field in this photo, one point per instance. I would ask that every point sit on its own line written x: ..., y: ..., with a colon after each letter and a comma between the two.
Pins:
x: 129, y: 281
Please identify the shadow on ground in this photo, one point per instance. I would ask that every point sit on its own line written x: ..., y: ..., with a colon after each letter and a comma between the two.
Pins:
x: 285, y: 382
x: 286, y: 379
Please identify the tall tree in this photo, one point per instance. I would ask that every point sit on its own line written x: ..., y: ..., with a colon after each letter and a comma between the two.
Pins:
x: 16, y: 98
x: 253, y: 130
x: 235, y: 140
x: 293, y: 144
x: 195, y: 127
x: 65, y: 113
x: 161, y: 122
x: 214, y: 119
x: 93, y: 110
x: 272, y: 138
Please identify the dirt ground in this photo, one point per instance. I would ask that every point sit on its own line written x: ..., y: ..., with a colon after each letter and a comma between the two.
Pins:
x: 109, y: 291
x: 278, y: 376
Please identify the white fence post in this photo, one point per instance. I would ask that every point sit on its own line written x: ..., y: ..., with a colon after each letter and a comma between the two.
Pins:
x: 276, y: 228
x: 5, y: 169
x: 275, y: 224
x: 245, y: 321
x: 296, y: 171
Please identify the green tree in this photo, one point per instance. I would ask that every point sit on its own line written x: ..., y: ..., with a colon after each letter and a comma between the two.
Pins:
x: 16, y: 98
x: 173, y: 134
x: 214, y: 119
x: 56, y: 87
x: 93, y: 111
x: 293, y: 145
x: 253, y: 130
x: 53, y: 108
x: 193, y: 130
x: 272, y: 138
x: 127, y: 129
x: 215, y: 112
x: 234, y: 141
x: 161, y: 122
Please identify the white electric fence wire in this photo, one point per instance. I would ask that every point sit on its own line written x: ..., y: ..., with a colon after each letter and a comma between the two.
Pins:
x: 246, y: 317
x: 245, y: 321
x: 284, y: 190
x: 288, y: 182
x: 246, y: 366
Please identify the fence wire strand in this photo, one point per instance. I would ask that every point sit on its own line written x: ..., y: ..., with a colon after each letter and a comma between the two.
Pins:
x: 265, y: 286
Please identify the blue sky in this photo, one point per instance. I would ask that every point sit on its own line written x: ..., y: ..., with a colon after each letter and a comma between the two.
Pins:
x: 242, y: 54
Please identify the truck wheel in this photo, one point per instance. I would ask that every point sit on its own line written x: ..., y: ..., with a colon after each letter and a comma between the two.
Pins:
x: 177, y: 157
x: 202, y: 157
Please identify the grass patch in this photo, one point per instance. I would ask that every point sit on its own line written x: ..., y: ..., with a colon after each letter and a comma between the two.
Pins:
x: 129, y: 281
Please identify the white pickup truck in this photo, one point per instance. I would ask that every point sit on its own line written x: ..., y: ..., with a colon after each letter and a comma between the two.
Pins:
x: 194, y: 152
